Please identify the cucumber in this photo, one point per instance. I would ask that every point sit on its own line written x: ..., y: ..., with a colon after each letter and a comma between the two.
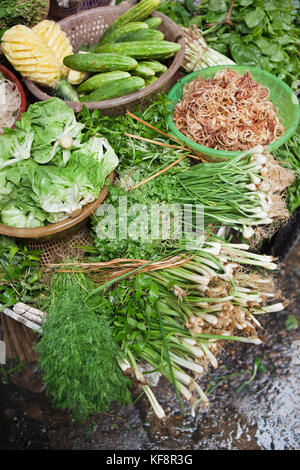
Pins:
x: 137, y: 13
x: 143, y: 71
x: 121, y: 87
x: 150, y: 80
x: 155, y: 65
x: 141, y: 49
x: 65, y: 91
x: 99, y: 62
x: 96, y: 81
x: 163, y: 70
x: 123, y: 30
x: 142, y: 35
x: 153, y: 21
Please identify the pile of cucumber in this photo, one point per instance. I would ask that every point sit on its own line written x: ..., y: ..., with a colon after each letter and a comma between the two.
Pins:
x: 127, y: 58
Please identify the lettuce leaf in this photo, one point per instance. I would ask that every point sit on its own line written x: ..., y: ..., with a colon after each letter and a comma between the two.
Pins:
x: 41, y: 182
x: 22, y: 212
x: 51, y: 120
x: 62, y: 191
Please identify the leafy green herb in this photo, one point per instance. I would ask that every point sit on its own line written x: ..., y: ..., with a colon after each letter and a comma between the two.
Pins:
x: 177, y: 11
x: 77, y: 352
x: 264, y: 34
x: 157, y: 192
x: 248, y: 54
x: 20, y: 274
x: 137, y: 161
x: 291, y: 323
x: 27, y: 12
x: 132, y: 152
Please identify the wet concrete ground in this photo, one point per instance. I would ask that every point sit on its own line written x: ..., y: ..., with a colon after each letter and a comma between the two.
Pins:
x: 263, y: 415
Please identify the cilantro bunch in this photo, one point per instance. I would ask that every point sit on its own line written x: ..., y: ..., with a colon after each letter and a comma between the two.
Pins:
x: 137, y: 161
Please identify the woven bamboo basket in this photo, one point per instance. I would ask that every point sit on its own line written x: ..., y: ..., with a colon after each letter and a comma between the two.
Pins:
x: 89, y: 26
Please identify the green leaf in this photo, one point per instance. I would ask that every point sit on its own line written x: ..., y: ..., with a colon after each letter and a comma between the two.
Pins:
x: 8, y: 297
x: 132, y: 322
x: 142, y: 326
x: 198, y: 20
x: 278, y: 55
x: 153, y: 293
x: 138, y: 294
x: 14, y: 249
x: 217, y: 5
x: 270, y: 6
x: 291, y: 323
x: 246, y: 54
x: 189, y: 5
x: 253, y: 18
x: 215, y: 17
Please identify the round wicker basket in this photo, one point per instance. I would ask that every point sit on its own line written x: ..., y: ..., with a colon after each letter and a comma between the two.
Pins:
x: 89, y: 26
x: 59, y: 230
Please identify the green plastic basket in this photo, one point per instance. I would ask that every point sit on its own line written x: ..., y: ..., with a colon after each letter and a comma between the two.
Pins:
x: 281, y: 95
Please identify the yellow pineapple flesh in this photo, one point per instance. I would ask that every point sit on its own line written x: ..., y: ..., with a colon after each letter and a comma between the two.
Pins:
x: 30, y: 56
x: 56, y: 39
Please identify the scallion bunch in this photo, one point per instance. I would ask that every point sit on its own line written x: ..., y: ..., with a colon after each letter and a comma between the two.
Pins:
x: 198, y: 55
x: 176, y: 320
x: 244, y: 192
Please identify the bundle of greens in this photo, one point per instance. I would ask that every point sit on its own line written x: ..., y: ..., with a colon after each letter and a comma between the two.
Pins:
x: 132, y: 152
x: 138, y: 160
x: 172, y: 320
x: 20, y: 273
x: 198, y: 55
x: 254, y: 33
x: 78, y: 354
x: 27, y: 12
x: 135, y: 213
x: 175, y: 321
x: 244, y: 193
x: 47, y: 170
x: 178, y: 11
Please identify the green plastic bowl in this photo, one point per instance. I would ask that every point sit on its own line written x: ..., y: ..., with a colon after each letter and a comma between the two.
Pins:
x: 281, y: 95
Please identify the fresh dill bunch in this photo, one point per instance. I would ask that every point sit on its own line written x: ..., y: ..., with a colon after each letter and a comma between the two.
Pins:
x: 78, y: 355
